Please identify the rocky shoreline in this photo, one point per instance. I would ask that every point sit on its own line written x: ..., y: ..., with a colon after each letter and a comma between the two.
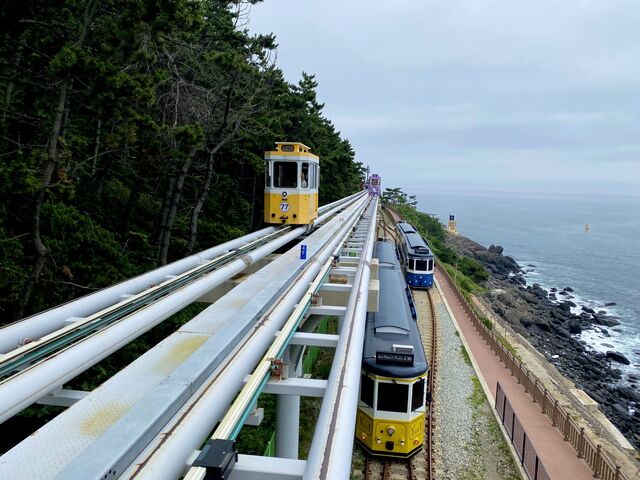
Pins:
x: 546, y: 320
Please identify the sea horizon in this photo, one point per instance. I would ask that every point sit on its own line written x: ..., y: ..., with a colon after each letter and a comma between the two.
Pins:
x: 546, y: 235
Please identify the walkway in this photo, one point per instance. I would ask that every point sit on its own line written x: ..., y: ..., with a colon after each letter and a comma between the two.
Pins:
x: 558, y: 457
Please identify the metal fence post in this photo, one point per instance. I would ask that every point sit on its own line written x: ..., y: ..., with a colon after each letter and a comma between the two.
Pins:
x: 581, y: 443
x: 597, y: 467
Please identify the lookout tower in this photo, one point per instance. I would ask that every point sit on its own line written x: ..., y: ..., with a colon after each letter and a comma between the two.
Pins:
x: 451, y: 226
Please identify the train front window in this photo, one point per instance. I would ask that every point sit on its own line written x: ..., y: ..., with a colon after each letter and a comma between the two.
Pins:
x: 366, y: 390
x: 267, y: 177
x: 393, y: 397
x: 421, y: 265
x: 285, y: 174
x: 430, y: 265
x: 417, y: 395
x: 304, y: 175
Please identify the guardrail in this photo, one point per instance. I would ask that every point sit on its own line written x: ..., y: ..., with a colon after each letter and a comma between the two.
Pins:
x: 519, y: 439
x: 592, y: 453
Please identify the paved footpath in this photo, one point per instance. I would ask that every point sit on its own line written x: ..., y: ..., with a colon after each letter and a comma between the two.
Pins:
x: 558, y: 457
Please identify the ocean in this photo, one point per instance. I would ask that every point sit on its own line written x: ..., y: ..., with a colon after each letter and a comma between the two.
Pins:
x: 546, y: 235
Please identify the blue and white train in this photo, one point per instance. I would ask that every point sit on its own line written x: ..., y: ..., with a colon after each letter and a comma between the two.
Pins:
x: 417, y: 259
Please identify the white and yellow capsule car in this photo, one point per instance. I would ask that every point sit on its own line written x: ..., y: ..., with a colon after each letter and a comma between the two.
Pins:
x: 292, y: 175
x: 393, y: 388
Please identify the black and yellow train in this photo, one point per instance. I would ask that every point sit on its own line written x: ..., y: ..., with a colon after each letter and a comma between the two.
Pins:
x: 393, y: 386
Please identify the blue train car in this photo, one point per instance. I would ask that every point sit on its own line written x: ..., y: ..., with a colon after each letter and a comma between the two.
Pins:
x: 417, y: 259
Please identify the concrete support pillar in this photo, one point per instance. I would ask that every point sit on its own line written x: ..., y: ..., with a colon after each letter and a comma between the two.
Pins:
x: 288, y: 417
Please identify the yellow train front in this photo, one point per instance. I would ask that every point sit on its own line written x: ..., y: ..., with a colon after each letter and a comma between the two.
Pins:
x: 393, y: 385
x: 292, y: 175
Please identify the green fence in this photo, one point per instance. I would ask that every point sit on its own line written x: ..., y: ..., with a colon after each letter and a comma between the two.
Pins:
x: 270, y: 451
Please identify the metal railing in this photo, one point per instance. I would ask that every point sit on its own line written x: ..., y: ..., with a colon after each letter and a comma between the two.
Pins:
x: 519, y: 439
x: 592, y: 453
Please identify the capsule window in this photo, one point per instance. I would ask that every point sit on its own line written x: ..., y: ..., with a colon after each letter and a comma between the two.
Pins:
x: 304, y: 176
x: 366, y: 390
x: 417, y: 395
x: 267, y: 177
x: 285, y: 174
x: 286, y: 148
x: 393, y: 397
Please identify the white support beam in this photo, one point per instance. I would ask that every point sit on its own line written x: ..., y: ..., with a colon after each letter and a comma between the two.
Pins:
x: 253, y: 467
x: 336, y: 287
x: 315, y: 339
x: 296, y: 386
x: 63, y: 398
x: 332, y: 310
x: 255, y: 417
x: 343, y: 271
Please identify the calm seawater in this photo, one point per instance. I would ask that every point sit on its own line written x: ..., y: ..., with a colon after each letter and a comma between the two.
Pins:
x: 548, y: 232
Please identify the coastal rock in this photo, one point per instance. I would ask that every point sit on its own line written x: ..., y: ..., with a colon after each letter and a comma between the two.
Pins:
x: 542, y: 323
x: 629, y: 393
x: 610, y: 304
x: 567, y: 289
x: 588, y: 310
x: 496, y: 249
x: 538, y: 291
x: 552, y: 296
x: 617, y: 357
x: 574, y: 327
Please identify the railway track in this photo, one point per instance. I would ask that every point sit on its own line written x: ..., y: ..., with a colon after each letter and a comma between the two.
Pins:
x: 421, y: 465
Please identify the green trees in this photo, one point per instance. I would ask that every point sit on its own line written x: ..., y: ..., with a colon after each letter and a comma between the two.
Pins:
x: 131, y: 133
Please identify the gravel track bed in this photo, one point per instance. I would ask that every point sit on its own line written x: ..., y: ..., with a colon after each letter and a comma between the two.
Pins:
x: 453, y: 412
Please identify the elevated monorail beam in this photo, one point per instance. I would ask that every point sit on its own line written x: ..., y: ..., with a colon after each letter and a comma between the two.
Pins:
x: 32, y: 383
x: 332, y: 444
x: 16, y: 334
x: 172, y: 450
x: 66, y: 361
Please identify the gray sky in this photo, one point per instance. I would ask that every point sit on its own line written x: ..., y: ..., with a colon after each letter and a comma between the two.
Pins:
x: 540, y: 96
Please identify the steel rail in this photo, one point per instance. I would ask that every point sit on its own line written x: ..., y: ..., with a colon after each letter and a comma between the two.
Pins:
x: 36, y: 380
x: 432, y: 382
x: 15, y: 334
x: 232, y: 423
x: 332, y: 444
x: 48, y: 345
x: 168, y: 456
x: 64, y: 337
x: 43, y: 323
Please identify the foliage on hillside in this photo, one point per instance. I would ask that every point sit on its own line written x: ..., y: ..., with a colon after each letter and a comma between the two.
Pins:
x: 471, y: 274
x: 132, y: 133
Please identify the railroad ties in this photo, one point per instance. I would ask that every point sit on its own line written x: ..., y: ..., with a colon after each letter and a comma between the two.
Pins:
x: 421, y: 465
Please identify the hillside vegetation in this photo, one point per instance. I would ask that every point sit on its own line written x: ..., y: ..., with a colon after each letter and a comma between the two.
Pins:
x: 132, y: 134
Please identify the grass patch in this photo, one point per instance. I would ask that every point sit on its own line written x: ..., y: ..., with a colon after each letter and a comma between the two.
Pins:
x: 506, y: 464
x: 465, y: 355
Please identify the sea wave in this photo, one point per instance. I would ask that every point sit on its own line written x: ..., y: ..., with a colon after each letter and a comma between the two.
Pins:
x: 623, y: 338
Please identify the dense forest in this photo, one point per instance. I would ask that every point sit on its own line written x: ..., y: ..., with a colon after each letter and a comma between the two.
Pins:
x: 132, y: 134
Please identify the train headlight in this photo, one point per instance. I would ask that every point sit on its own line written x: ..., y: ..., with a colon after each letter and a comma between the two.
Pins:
x: 378, y: 440
x: 363, y: 436
x: 402, y: 443
x: 391, y: 431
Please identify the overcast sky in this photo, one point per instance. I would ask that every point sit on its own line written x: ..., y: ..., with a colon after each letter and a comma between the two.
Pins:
x: 540, y: 96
